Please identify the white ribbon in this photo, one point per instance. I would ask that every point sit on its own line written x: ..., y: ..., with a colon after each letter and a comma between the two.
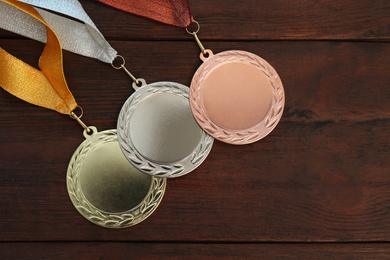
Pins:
x: 81, y: 37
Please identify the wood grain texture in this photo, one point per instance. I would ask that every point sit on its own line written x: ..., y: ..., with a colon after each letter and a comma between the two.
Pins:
x: 321, y: 176
x: 254, y: 20
x: 304, y: 182
x: 117, y: 251
x: 322, y: 80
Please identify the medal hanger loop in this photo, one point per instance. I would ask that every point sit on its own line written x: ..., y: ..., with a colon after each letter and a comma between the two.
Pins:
x: 202, y: 48
x: 137, y: 83
x: 194, y: 33
x: 78, y: 119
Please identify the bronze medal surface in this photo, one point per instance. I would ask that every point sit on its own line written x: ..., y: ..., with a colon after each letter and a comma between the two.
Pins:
x: 236, y: 97
x: 108, y: 190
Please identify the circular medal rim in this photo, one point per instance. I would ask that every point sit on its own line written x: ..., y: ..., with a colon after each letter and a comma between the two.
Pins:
x: 231, y: 136
x: 114, y: 220
x: 162, y: 170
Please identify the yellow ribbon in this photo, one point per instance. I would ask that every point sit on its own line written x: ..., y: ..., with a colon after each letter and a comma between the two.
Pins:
x: 46, y: 87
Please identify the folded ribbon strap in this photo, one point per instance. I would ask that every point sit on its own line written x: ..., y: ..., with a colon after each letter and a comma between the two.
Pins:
x: 78, y: 35
x: 46, y: 88
x: 173, y: 12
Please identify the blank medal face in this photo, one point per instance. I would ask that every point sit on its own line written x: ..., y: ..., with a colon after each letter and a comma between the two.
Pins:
x: 108, y: 190
x: 163, y: 128
x: 237, y: 97
x: 158, y: 133
x: 110, y: 182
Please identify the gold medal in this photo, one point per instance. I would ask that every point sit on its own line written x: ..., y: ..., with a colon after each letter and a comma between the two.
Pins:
x: 105, y: 188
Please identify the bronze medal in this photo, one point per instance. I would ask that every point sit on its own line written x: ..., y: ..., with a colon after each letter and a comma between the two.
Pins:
x: 236, y: 96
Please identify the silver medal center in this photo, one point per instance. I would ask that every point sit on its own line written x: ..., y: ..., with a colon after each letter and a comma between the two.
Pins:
x: 163, y: 129
x: 158, y: 133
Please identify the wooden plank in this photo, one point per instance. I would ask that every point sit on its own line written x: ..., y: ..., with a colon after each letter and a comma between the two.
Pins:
x: 322, y: 175
x: 322, y: 80
x: 94, y: 250
x: 255, y: 20
x: 319, y: 181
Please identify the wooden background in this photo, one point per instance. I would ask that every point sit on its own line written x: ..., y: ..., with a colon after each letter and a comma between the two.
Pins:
x: 317, y: 187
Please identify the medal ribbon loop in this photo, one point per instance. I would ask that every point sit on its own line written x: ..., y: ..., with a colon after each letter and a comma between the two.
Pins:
x: 74, y: 28
x: 46, y: 87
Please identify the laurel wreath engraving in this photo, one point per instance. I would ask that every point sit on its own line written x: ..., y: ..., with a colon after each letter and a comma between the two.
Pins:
x: 249, y: 135
x: 95, y: 215
x: 168, y: 170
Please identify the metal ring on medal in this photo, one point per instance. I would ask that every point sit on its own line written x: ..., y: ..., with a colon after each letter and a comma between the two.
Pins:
x: 158, y: 133
x: 236, y: 96
x: 105, y: 188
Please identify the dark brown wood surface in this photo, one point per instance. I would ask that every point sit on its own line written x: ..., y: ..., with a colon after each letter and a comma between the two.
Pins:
x: 131, y: 250
x: 319, y: 183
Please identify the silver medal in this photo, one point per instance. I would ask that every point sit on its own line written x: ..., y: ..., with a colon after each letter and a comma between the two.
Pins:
x: 158, y: 133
